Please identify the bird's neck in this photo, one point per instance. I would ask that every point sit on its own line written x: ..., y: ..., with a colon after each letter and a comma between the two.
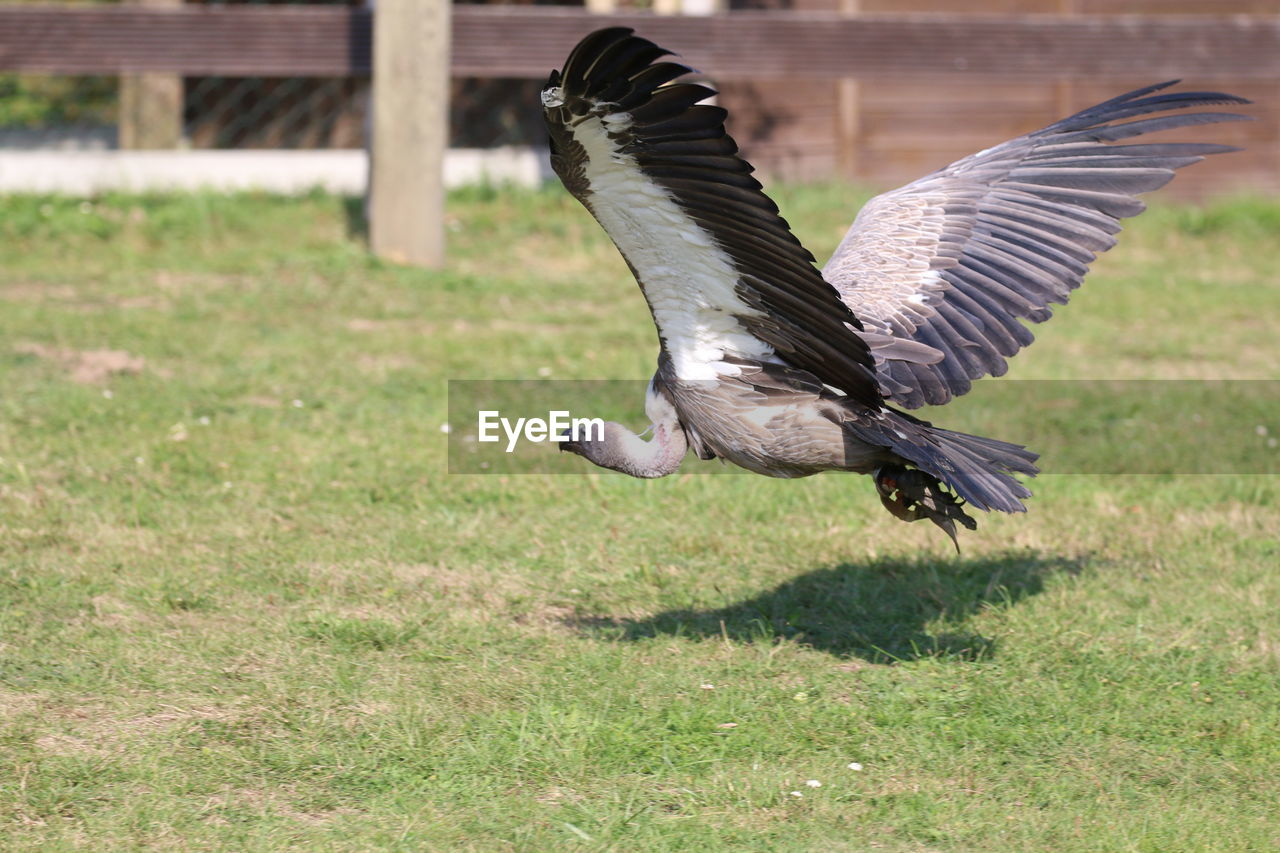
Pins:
x: 628, y: 453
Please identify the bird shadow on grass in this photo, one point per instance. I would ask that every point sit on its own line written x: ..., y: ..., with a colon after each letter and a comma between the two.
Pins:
x: 882, y: 611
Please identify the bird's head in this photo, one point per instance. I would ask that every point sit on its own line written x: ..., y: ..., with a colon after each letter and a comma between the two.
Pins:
x: 598, y: 446
x: 576, y: 447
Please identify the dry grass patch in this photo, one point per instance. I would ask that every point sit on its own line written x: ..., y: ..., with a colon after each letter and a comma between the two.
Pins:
x: 557, y: 794
x: 176, y: 281
x: 378, y: 366
x: 39, y: 292
x: 282, y: 802
x: 489, y: 590
x: 87, y: 367
x: 18, y: 704
x: 110, y: 611
x: 90, y: 728
x: 75, y: 298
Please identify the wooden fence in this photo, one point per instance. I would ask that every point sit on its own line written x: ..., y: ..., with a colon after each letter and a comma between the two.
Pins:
x: 527, y: 41
x: 858, y: 92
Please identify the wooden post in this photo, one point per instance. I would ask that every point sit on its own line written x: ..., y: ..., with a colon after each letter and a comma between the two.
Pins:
x: 151, y: 104
x: 848, y: 115
x: 1063, y: 90
x: 410, y: 130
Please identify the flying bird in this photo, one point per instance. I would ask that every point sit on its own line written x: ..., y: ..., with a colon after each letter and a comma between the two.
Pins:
x: 785, y: 370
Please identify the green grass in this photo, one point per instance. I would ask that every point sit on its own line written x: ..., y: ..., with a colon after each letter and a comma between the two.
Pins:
x: 243, y: 605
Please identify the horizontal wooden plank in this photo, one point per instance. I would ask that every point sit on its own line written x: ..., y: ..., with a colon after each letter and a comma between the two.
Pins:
x: 517, y: 41
x: 1175, y: 7
x: 527, y: 42
x: 1078, y: 7
x: 970, y: 7
x: 266, y: 41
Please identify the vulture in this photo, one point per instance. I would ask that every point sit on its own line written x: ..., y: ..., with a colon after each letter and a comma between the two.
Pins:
x: 782, y: 369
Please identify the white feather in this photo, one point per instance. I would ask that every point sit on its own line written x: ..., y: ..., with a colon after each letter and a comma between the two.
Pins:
x: 688, y: 280
x: 657, y: 407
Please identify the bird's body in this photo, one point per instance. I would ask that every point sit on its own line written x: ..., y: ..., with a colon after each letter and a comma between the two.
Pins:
x: 768, y: 422
x: 769, y: 364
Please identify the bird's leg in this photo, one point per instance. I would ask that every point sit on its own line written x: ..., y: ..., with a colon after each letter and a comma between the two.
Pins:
x: 911, y: 495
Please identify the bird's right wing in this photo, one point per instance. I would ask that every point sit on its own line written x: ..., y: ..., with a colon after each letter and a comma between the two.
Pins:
x: 942, y: 271
x: 723, y: 275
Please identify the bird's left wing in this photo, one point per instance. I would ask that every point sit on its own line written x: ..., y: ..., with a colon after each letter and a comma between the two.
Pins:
x: 942, y: 271
x: 723, y: 275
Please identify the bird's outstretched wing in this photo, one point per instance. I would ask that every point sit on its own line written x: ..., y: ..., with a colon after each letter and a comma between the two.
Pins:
x: 942, y: 271
x: 722, y: 273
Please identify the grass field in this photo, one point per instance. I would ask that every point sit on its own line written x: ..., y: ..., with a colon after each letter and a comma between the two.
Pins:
x: 244, y: 607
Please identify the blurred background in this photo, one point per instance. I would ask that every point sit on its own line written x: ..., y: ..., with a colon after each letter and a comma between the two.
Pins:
x: 794, y: 123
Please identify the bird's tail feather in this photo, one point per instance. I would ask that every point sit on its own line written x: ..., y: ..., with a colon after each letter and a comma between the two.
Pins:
x: 952, y: 470
x: 979, y: 469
